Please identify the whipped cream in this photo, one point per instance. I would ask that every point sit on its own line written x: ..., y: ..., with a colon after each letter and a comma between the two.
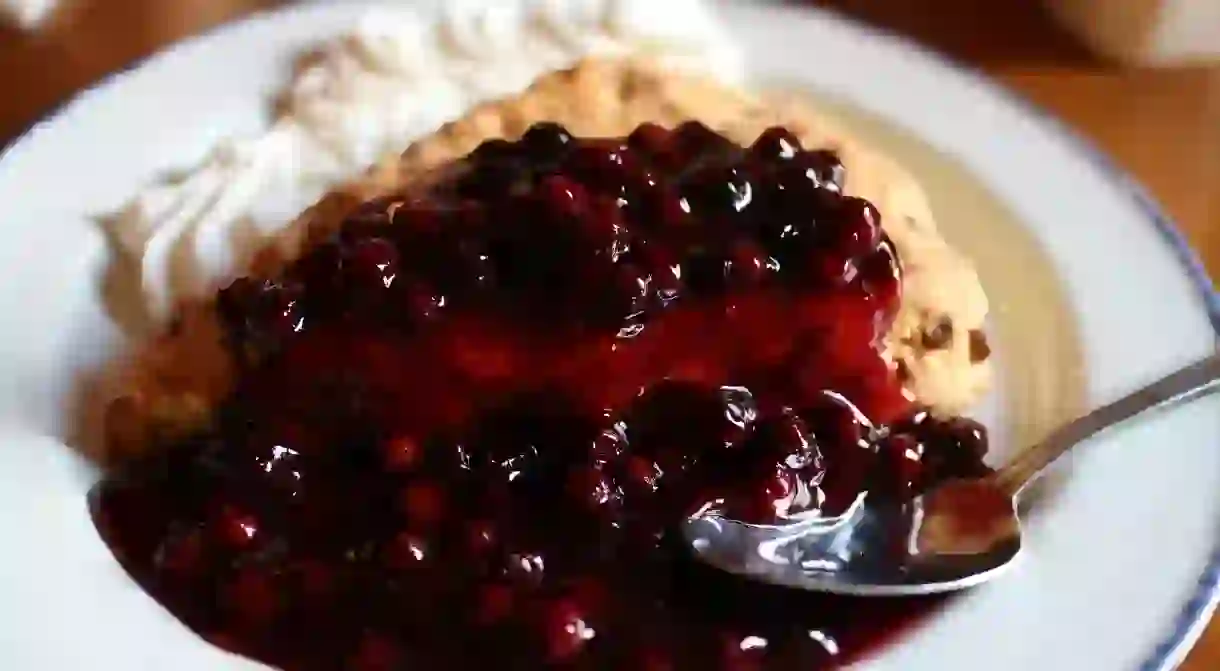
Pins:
x: 368, y: 94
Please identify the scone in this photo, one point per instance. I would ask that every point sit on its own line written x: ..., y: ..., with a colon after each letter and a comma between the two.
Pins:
x: 936, y: 341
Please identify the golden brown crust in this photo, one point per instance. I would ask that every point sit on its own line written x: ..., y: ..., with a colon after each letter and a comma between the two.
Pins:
x: 607, y: 98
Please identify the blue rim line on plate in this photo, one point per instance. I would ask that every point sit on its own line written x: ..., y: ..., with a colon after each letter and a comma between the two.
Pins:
x: 1196, y: 612
x: 1198, y: 609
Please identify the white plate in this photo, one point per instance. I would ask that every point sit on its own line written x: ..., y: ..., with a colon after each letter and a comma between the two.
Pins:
x: 1122, y: 568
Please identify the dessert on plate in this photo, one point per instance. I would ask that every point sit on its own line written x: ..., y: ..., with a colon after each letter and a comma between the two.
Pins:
x: 455, y: 414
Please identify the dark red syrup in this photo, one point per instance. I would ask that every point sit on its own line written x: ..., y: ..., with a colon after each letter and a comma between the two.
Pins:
x: 466, y: 440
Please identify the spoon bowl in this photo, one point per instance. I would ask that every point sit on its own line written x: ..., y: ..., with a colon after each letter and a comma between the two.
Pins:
x: 958, y: 535
x: 925, y: 546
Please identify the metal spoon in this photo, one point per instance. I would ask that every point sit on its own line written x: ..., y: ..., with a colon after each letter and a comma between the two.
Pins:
x: 956, y: 536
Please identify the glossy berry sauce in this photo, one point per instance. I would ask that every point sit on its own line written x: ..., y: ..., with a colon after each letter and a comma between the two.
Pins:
x: 466, y: 428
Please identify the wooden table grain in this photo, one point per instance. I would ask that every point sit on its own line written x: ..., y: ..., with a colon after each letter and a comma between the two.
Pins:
x: 1161, y: 125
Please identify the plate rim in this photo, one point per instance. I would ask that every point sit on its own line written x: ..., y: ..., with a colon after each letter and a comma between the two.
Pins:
x: 1195, y: 614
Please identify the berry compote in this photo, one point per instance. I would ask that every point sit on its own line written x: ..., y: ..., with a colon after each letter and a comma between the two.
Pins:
x: 465, y: 429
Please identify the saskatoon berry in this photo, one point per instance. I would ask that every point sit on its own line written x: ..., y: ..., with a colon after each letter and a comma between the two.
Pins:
x: 776, y: 143
x: 546, y: 142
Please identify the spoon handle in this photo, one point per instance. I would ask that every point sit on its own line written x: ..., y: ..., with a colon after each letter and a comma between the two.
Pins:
x: 1194, y: 381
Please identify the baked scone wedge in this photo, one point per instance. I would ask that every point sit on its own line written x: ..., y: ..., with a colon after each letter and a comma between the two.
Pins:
x: 936, y: 342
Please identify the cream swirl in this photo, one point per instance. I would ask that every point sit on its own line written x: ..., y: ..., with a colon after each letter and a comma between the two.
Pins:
x: 366, y: 95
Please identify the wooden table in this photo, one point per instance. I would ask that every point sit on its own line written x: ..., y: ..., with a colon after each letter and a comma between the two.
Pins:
x: 1163, y: 126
